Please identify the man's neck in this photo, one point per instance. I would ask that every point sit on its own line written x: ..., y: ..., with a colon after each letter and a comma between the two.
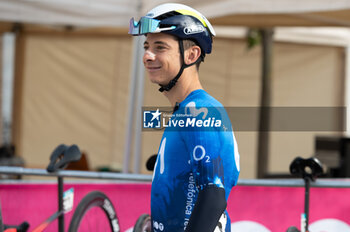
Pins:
x: 187, y: 83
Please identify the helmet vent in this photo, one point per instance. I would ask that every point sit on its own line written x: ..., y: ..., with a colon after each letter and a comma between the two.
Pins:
x: 167, y: 15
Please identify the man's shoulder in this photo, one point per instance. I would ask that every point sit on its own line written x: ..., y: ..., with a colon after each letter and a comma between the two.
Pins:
x: 204, y: 107
x: 201, y: 98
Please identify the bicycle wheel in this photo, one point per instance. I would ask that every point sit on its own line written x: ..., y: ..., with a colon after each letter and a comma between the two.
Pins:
x: 143, y: 224
x: 95, y: 212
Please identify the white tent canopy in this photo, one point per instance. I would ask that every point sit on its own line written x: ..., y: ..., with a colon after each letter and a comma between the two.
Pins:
x: 69, y: 12
x: 116, y: 13
x: 279, y: 13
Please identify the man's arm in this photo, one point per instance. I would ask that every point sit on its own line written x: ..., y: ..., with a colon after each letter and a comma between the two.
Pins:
x: 210, y: 205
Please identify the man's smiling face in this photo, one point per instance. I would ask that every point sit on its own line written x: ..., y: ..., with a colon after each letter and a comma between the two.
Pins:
x: 161, y: 58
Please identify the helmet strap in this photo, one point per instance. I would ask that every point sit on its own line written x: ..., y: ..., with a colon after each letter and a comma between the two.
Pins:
x: 172, y: 83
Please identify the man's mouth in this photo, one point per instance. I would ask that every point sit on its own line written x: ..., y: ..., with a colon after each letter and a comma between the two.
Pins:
x: 153, y: 68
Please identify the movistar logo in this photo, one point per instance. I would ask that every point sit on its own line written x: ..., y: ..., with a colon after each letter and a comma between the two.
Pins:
x: 194, y: 29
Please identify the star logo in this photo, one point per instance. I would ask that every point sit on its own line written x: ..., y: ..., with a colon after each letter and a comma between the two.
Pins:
x: 155, y: 115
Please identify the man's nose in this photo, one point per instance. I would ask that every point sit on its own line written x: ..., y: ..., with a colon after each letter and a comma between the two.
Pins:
x: 148, y: 55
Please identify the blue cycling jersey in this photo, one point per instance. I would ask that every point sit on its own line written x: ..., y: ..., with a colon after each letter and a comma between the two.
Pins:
x: 198, y: 148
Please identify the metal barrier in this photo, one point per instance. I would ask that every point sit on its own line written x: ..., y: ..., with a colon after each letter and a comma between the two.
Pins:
x: 322, y: 183
x: 75, y: 174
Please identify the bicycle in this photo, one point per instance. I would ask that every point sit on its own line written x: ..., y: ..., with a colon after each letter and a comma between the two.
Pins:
x: 92, y: 203
x: 308, y: 169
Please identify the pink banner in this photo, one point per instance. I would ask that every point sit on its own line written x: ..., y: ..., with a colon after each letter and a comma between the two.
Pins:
x: 263, y: 209
x: 251, y: 208
x: 36, y: 202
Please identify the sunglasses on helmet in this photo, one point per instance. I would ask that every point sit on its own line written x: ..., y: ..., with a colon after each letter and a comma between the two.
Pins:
x: 146, y: 25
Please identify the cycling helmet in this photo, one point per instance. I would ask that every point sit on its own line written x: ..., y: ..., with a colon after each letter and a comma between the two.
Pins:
x: 178, y: 20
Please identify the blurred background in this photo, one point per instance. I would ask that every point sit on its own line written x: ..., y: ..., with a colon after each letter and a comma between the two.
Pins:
x: 71, y: 74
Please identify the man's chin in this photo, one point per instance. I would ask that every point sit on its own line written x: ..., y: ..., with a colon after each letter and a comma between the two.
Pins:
x: 154, y: 81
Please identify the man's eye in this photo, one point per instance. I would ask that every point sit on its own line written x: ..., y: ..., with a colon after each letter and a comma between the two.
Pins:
x: 160, y: 47
x: 145, y: 48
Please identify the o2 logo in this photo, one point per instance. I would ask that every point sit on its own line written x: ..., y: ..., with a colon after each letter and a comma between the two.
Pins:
x: 199, y: 154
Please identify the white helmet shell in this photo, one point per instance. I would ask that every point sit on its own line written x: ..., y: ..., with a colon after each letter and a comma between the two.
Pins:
x: 168, y: 7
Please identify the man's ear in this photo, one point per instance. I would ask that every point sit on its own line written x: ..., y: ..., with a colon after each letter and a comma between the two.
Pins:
x: 192, y: 54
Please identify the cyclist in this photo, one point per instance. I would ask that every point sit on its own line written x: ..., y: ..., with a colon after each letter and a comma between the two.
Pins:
x: 198, y: 160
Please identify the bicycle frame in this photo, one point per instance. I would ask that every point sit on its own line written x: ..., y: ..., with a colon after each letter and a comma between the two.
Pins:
x: 47, y: 222
x: 58, y: 215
